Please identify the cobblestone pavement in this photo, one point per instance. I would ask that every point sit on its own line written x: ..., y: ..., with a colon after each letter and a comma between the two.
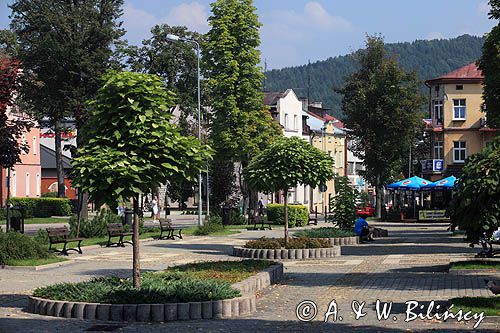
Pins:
x: 409, y: 265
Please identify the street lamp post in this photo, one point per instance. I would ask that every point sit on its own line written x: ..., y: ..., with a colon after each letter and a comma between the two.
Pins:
x: 177, y: 38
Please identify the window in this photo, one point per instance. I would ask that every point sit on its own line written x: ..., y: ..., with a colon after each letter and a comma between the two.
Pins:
x: 13, y: 184
x: 24, y: 143
x: 459, y: 87
x: 459, y: 151
x: 286, y: 121
x: 438, y: 150
x: 459, y: 109
x: 38, y: 185
x: 359, y: 167
x: 34, y: 146
x: 350, y: 168
x: 27, y: 184
x: 295, y: 123
x: 438, y: 111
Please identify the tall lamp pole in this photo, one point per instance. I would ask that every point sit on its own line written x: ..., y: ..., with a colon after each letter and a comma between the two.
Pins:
x: 177, y: 38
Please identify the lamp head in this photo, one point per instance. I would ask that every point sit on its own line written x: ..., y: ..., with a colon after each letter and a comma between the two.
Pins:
x: 173, y: 37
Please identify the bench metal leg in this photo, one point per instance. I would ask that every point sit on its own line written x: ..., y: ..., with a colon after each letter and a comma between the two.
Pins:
x: 108, y: 244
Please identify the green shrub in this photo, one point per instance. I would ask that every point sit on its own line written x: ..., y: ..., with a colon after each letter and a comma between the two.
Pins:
x: 49, y: 195
x: 44, y: 207
x: 213, y: 225
x: 293, y: 243
x: 17, y: 246
x: 324, y: 233
x: 298, y: 215
x: 343, y: 205
x: 236, y: 218
x: 95, y: 227
x: 165, y: 287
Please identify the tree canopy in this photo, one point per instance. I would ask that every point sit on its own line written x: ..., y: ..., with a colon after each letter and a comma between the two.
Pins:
x: 286, y: 163
x: 490, y: 66
x: 476, y: 204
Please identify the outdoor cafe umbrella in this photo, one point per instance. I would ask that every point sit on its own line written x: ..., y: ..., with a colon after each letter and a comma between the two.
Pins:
x: 413, y: 184
x: 443, y: 184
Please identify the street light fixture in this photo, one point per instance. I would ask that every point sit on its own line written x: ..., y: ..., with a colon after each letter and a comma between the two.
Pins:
x: 200, y: 206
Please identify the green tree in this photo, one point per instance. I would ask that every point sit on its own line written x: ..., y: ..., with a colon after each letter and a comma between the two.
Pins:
x: 286, y: 163
x: 343, y: 205
x: 241, y: 126
x: 380, y: 103
x: 490, y: 66
x: 476, y: 204
x: 131, y: 146
x: 64, y: 48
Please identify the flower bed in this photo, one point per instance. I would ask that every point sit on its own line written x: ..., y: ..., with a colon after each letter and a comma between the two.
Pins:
x: 177, y: 294
x: 333, y: 235
x: 297, y: 248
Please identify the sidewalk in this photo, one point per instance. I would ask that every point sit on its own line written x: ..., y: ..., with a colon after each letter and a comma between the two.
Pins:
x: 409, y: 265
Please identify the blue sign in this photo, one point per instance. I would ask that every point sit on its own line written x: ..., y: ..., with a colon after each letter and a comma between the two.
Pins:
x: 438, y: 165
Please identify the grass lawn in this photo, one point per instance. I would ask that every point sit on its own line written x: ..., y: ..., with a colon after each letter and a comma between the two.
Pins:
x: 35, y: 262
x: 476, y: 264
x: 43, y: 220
x: 490, y: 305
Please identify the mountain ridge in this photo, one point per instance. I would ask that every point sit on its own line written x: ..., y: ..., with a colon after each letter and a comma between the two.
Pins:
x: 428, y: 58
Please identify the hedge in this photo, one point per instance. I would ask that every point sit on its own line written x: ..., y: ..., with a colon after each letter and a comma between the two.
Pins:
x: 44, y: 207
x: 298, y: 215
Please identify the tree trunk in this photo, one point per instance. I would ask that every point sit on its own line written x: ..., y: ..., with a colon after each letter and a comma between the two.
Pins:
x: 84, y: 208
x: 286, y: 216
x: 61, y: 191
x: 380, y: 198
x: 136, y: 267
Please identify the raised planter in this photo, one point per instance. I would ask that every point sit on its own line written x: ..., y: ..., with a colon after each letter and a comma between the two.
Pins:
x: 228, y: 308
x: 283, y: 254
x: 354, y: 240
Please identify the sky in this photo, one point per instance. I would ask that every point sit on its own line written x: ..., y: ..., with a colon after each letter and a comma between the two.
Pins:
x: 295, y: 31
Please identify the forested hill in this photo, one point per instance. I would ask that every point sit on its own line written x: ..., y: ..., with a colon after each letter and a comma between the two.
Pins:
x: 429, y: 58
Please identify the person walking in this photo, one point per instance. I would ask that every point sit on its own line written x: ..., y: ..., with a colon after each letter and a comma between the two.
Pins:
x: 155, y: 209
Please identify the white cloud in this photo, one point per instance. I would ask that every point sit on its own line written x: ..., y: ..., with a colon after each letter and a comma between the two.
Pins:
x: 193, y: 15
x: 286, y: 32
x: 483, y: 8
x: 139, y: 22
x: 435, y: 35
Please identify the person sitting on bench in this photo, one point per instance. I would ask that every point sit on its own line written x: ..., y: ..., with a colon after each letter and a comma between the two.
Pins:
x: 363, y: 230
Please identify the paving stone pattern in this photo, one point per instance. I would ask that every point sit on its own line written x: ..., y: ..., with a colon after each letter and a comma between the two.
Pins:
x: 408, y: 265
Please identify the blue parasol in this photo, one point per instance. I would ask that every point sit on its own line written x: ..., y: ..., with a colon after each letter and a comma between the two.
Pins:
x: 443, y: 184
x: 413, y: 184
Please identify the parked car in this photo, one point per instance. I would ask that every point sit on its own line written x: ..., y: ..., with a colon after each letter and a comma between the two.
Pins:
x: 366, y: 211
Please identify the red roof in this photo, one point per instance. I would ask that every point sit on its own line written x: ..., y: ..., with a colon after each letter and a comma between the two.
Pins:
x: 469, y: 73
x: 335, y: 122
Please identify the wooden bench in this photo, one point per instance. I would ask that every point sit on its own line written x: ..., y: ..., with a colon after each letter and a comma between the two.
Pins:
x: 61, y: 236
x: 313, y: 219
x: 487, y: 246
x: 166, y: 226
x: 117, y: 230
x: 260, y: 220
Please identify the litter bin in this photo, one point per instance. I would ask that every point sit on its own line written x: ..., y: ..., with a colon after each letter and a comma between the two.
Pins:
x: 225, y: 216
x: 17, y: 214
x: 129, y: 216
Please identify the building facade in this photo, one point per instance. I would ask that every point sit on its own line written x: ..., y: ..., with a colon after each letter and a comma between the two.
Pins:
x: 457, y: 124
x: 25, y: 177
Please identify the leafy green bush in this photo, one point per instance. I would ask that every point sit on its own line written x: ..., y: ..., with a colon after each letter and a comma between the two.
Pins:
x: 236, y: 218
x: 210, y: 227
x: 343, y: 205
x: 298, y: 215
x: 324, y: 233
x: 293, y: 243
x: 165, y: 287
x: 49, y: 195
x: 44, y: 207
x: 475, y: 207
x: 16, y: 246
x: 95, y: 227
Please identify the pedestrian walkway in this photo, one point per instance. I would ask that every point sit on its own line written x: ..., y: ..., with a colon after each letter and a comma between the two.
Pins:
x: 410, y: 265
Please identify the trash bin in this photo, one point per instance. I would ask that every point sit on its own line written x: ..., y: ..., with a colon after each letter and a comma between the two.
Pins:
x: 225, y: 216
x: 17, y: 214
x: 129, y: 216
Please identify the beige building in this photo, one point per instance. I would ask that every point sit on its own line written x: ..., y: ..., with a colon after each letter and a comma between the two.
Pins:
x: 457, y: 126
x: 327, y: 134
